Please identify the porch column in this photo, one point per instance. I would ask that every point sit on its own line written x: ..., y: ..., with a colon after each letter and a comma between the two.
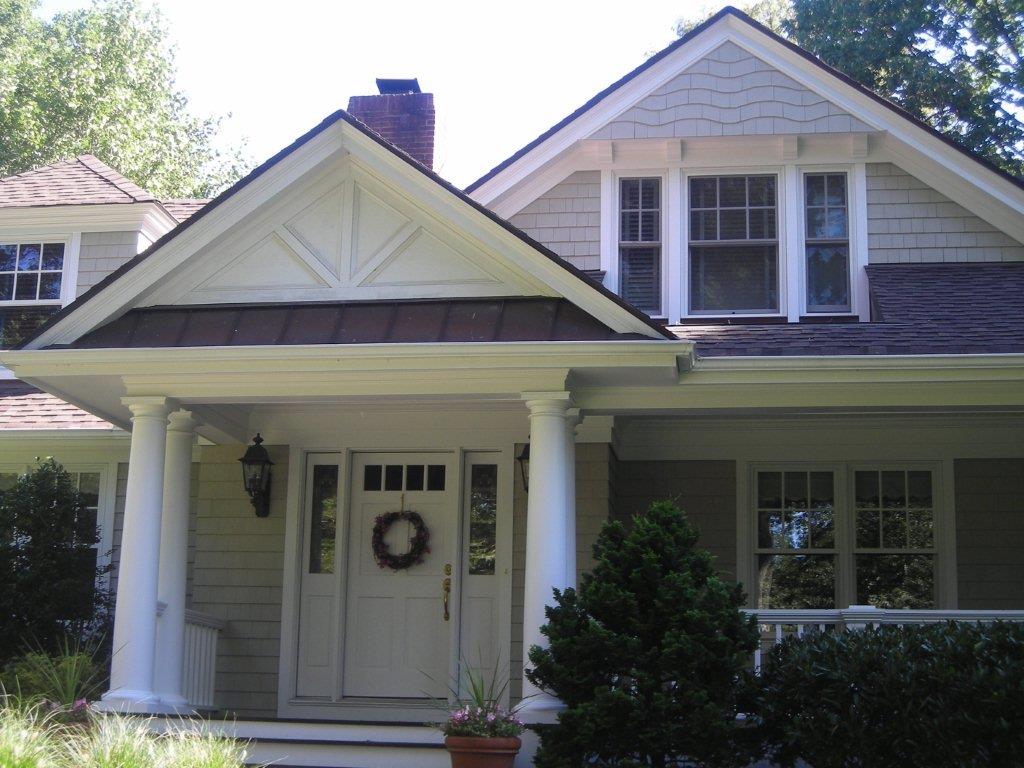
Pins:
x: 550, y: 517
x: 170, y: 634
x: 131, y: 669
x: 572, y: 420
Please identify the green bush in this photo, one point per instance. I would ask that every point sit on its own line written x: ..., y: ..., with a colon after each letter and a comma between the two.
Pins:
x: 64, y: 679
x: 646, y: 655
x: 935, y: 695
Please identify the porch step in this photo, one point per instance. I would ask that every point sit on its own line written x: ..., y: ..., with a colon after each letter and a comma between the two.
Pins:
x: 336, y: 745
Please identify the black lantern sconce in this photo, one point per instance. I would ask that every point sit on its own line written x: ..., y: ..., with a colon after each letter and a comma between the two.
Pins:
x: 256, y: 466
x: 523, y: 459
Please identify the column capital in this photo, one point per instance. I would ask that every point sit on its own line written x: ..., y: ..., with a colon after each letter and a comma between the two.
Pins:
x: 154, y: 406
x: 554, y: 403
x: 181, y: 421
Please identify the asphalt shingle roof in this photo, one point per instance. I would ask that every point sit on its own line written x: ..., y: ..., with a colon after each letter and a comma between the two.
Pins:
x: 183, y: 208
x: 22, y: 406
x: 85, y: 180
x: 920, y: 309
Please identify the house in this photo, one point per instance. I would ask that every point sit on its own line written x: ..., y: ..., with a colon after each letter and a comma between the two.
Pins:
x: 734, y: 278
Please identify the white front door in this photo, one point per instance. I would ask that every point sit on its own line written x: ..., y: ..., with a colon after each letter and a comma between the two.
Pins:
x: 398, y: 623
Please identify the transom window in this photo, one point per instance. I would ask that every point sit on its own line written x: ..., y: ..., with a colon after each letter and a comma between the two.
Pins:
x: 640, y: 243
x: 31, y: 271
x: 734, y: 247
x: 827, y: 242
x: 801, y: 548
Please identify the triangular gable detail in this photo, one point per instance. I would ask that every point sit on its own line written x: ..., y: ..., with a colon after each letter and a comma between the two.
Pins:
x: 729, y: 92
x: 378, y: 224
x: 269, y: 261
x: 319, y: 229
x: 425, y: 260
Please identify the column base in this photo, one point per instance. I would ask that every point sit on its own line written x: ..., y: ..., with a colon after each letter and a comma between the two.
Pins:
x: 141, y: 703
x: 540, y: 709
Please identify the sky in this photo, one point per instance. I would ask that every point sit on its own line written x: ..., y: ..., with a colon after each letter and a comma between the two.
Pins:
x: 500, y: 74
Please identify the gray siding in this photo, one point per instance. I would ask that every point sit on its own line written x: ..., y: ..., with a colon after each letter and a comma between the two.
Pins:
x: 990, y: 533
x: 730, y: 93
x: 593, y: 503
x: 704, y: 490
x: 237, y: 577
x: 567, y: 219
x: 908, y: 221
x: 101, y: 253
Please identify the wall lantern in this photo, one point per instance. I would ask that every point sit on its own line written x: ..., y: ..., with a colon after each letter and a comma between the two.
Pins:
x: 256, y: 466
x: 524, y: 465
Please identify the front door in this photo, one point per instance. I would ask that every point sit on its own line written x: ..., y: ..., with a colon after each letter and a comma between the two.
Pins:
x: 398, y: 622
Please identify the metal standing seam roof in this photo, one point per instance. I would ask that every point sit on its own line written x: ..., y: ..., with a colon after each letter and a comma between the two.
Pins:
x: 364, y: 322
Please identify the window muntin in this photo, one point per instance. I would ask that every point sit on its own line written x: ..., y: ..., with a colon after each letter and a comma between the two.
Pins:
x: 796, y: 540
x: 827, y: 242
x: 734, y: 246
x: 31, y: 272
x: 894, y: 554
x: 640, y: 243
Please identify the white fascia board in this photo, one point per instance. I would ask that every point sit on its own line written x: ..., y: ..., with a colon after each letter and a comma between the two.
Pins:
x: 123, y: 293
x: 112, y: 217
x: 1004, y: 361
x: 32, y: 365
x: 114, y: 435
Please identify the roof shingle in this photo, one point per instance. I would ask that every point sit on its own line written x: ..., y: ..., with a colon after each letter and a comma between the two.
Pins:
x: 22, y: 406
x: 84, y: 180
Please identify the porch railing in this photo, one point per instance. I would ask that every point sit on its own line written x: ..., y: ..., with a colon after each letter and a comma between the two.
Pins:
x: 199, y: 671
x: 777, y: 624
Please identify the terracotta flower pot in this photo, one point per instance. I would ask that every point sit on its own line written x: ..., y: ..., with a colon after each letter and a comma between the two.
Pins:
x: 482, y: 752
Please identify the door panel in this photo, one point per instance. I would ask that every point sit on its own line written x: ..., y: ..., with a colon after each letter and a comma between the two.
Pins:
x: 398, y: 643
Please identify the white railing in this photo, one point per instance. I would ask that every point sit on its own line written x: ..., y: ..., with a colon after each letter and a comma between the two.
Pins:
x: 199, y: 671
x: 776, y: 624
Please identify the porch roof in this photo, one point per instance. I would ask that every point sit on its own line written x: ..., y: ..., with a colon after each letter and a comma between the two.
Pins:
x: 363, y: 322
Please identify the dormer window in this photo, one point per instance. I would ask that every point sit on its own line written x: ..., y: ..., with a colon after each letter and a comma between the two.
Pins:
x: 31, y: 272
x: 828, y: 242
x: 734, y: 245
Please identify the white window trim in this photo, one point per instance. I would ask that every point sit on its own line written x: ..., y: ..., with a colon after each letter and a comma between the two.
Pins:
x: 105, y: 510
x: 69, y: 274
x: 857, y: 216
x: 944, y: 525
x: 610, y: 228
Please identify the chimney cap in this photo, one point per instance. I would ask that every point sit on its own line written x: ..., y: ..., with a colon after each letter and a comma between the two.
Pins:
x: 397, y: 85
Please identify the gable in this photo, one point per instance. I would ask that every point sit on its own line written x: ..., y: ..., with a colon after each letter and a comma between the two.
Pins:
x: 344, y: 235
x: 729, y: 92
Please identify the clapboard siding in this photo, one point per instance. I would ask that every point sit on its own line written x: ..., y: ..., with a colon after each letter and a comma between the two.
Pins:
x: 238, y: 578
x: 730, y: 93
x: 567, y: 219
x: 908, y: 221
x: 101, y: 253
x: 704, y: 490
x: 990, y: 533
x: 592, y: 510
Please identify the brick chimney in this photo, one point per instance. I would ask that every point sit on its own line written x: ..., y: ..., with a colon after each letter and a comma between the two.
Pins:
x: 402, y: 114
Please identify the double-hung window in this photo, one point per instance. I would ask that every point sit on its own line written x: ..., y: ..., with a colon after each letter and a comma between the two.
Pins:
x: 31, y: 271
x: 827, y: 242
x: 734, y: 245
x: 640, y: 243
x: 873, y: 544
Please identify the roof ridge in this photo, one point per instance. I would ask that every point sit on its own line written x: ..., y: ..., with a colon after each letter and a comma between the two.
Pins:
x: 37, y: 169
x: 108, y: 174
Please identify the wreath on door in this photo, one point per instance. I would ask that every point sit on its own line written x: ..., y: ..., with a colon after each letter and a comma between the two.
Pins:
x: 418, y: 544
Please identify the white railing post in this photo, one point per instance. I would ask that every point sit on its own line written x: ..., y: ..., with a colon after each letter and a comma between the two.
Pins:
x: 858, y: 617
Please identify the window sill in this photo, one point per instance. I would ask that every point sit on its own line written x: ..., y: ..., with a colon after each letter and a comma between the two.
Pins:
x: 827, y: 318
x: 733, y: 319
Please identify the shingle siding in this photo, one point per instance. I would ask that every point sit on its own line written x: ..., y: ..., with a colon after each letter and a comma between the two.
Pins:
x: 730, y: 93
x: 908, y: 221
x: 237, y: 577
x: 990, y: 533
x: 101, y: 253
x: 567, y: 219
x: 704, y: 490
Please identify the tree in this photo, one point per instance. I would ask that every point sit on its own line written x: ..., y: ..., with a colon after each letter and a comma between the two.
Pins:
x: 956, y: 64
x: 47, y: 562
x: 772, y: 13
x: 101, y: 81
x: 647, y: 654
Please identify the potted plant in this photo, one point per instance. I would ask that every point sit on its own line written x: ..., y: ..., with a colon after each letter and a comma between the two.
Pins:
x: 479, y: 732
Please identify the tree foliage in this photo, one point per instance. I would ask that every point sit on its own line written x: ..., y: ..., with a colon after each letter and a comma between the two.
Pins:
x: 956, y: 64
x: 646, y: 654
x: 47, y: 562
x: 101, y: 81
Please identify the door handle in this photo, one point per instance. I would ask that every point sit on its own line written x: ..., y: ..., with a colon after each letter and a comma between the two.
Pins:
x: 446, y: 587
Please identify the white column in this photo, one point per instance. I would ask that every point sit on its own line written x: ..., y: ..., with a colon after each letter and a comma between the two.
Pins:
x: 550, y: 508
x: 131, y: 669
x: 572, y: 420
x: 170, y: 631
